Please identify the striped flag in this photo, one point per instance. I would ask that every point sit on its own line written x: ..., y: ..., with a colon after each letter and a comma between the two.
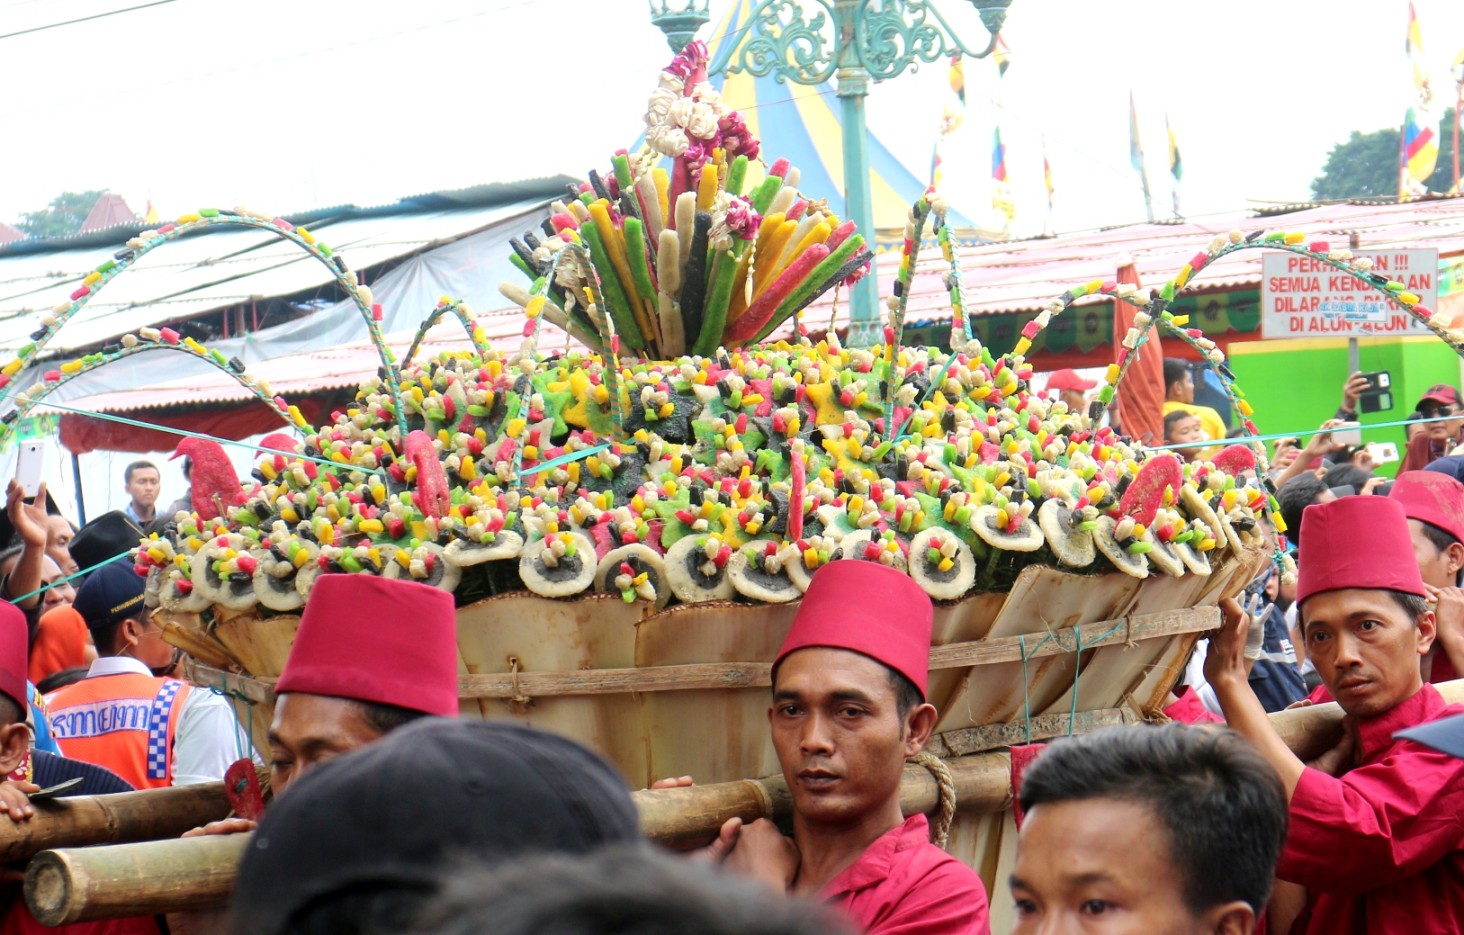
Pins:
x: 1420, y: 151
x: 1176, y: 166
x: 1413, y: 45
x: 1136, y: 155
x: 1002, y: 56
x: 951, y: 117
x: 1001, y: 198
x: 1047, y: 175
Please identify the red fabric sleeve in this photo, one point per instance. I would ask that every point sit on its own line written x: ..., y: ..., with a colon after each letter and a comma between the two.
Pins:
x: 1187, y: 708
x: 1377, y: 824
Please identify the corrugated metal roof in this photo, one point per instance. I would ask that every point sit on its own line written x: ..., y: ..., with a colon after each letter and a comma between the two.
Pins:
x: 1024, y: 275
x: 224, y: 267
x: 300, y: 374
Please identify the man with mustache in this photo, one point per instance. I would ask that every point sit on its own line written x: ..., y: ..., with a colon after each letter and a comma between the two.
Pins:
x: 848, y: 710
x: 1375, y: 834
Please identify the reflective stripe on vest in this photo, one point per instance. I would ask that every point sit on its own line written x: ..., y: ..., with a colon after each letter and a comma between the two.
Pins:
x: 126, y: 722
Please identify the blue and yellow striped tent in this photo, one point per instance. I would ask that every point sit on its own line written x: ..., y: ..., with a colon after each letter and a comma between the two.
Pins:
x: 802, y: 124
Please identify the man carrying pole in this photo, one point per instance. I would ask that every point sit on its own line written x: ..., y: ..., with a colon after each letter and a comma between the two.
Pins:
x: 848, y: 710
x: 1374, y: 831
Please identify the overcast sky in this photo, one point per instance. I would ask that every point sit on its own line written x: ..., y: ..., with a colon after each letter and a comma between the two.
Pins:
x: 288, y: 105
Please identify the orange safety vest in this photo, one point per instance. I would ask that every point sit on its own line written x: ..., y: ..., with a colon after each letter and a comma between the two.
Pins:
x: 125, y: 722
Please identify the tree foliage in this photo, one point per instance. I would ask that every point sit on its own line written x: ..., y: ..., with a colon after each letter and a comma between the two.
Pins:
x: 62, y: 217
x: 1366, y: 165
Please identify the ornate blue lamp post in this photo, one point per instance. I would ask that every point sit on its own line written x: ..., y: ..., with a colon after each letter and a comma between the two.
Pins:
x: 855, y: 40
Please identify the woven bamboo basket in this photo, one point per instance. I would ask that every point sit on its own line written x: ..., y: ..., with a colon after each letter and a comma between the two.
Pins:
x: 684, y: 691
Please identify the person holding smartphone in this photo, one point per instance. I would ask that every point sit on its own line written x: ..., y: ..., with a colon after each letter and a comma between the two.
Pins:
x: 1438, y: 438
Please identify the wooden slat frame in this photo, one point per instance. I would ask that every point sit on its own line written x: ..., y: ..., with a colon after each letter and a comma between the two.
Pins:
x: 723, y: 675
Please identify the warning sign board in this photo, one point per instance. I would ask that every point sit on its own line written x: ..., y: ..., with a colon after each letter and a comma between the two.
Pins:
x: 1305, y: 298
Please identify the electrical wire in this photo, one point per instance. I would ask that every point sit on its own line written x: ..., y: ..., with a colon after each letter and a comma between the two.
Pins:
x: 83, y: 19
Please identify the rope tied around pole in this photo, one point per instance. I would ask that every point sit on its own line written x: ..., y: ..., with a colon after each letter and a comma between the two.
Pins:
x: 518, y: 701
x: 940, y: 830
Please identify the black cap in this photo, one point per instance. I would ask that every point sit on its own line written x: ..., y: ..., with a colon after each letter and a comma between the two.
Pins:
x: 107, y: 536
x: 1445, y: 735
x: 399, y: 812
x: 110, y: 595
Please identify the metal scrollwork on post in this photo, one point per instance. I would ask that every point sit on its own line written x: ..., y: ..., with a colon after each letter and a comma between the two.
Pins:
x: 782, y: 41
x: 892, y: 35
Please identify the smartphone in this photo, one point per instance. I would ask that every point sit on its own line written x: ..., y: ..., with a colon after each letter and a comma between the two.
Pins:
x: 1378, y: 397
x: 1347, y: 435
x: 1382, y: 452
x: 28, y: 467
x: 1346, y: 490
x: 1377, y: 381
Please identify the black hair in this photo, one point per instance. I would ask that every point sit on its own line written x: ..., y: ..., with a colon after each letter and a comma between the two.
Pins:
x: 1296, y: 495
x: 625, y: 889
x: 1174, y: 370
x: 9, y: 557
x: 1221, y: 803
x: 11, y: 711
x: 1173, y: 419
x: 61, y: 679
x: 137, y: 466
x: 385, y: 718
x: 1347, y: 474
x: 907, y: 696
x: 1414, y: 605
x: 1441, y: 540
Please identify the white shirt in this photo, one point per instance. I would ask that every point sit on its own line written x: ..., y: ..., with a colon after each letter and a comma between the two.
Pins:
x: 209, y: 737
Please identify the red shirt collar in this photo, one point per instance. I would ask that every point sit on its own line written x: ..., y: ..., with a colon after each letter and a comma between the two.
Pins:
x: 1375, y: 734
x: 873, y: 866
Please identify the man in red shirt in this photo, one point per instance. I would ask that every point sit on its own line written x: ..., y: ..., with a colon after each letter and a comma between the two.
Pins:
x: 1434, y: 504
x: 1376, y: 836
x: 340, y: 691
x: 848, y: 711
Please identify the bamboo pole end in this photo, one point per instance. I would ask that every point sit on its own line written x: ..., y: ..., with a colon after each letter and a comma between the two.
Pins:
x: 51, y: 887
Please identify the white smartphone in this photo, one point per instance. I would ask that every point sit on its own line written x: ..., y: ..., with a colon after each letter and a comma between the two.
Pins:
x: 1383, y: 452
x: 28, y: 467
x: 1347, y: 435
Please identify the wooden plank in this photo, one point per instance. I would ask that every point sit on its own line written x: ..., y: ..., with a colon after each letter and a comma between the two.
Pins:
x: 967, y: 740
x: 758, y: 674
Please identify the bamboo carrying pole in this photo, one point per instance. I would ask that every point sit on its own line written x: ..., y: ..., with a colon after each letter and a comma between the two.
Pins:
x: 138, y: 879
x: 74, y: 885
x: 109, y: 819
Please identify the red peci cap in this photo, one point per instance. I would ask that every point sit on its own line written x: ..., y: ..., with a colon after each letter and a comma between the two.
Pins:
x: 1432, y: 497
x: 1069, y: 380
x: 14, y: 649
x: 1356, y: 542
x: 377, y: 640
x: 870, y: 609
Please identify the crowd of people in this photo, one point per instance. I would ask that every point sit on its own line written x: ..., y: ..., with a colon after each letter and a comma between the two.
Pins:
x: 389, y: 814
